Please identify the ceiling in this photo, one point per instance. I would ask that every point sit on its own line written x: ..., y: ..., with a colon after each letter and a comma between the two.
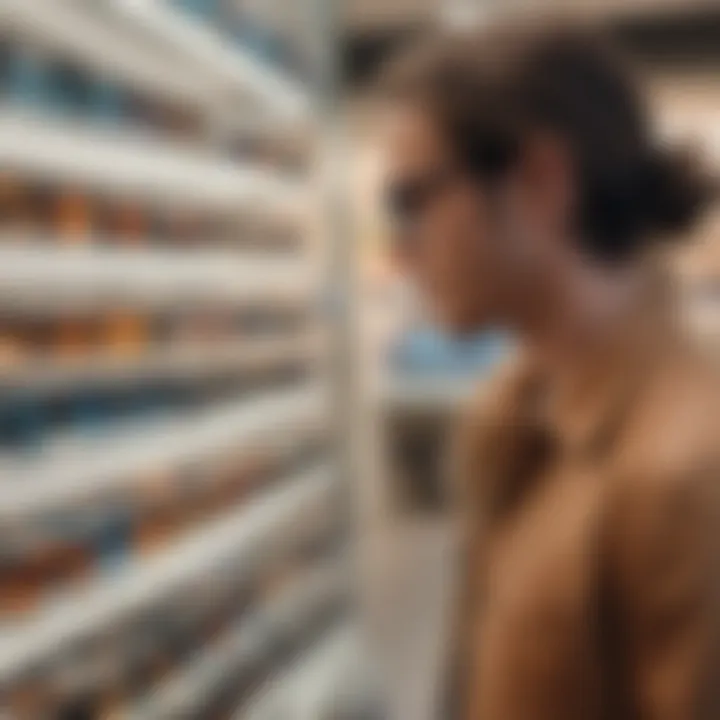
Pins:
x: 374, y: 14
x: 368, y: 15
x: 664, y: 30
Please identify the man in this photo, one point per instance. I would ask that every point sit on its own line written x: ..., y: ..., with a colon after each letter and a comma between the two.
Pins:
x: 527, y: 190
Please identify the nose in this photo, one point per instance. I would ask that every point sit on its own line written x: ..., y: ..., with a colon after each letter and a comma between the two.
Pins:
x: 403, y: 250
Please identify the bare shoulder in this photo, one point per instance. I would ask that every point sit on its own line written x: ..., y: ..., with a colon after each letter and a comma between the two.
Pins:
x: 499, y: 399
x: 486, y: 437
x: 669, y: 460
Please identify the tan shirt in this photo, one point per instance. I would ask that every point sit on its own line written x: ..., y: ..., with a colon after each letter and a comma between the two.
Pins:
x: 593, y: 577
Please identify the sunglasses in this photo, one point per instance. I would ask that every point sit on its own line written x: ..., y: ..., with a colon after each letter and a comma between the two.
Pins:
x: 407, y: 199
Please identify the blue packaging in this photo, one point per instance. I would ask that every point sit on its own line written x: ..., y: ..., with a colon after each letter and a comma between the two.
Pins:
x: 23, y: 423
x: 28, y: 77
x: 108, y: 103
x: 112, y: 540
x: 90, y: 413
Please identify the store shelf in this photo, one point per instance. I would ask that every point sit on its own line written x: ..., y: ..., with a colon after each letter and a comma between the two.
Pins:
x: 615, y: 9
x: 186, y: 692
x: 461, y: 14
x: 228, y: 63
x: 330, y: 679
x: 129, y: 163
x: 72, y: 31
x: 416, y: 559
x: 188, y: 361
x: 58, y: 279
x: 245, y: 538
x: 312, y: 686
x: 66, y: 473
x: 151, y: 125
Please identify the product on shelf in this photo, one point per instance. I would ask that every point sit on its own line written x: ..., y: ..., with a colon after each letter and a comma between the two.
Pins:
x: 16, y: 207
x: 162, y: 506
x: 108, y: 103
x: 13, y: 345
x: 112, y: 538
x: 6, y: 54
x: 181, y: 227
x: 126, y: 334
x: 27, y: 76
x: 70, y: 89
x: 28, y: 418
x: 174, y: 635
x: 72, y: 216
x: 75, y: 338
x: 127, y: 223
x: 27, y: 584
x: 283, y: 238
x: 77, y: 380
x: 23, y: 421
x: 179, y: 121
x: 139, y: 653
x: 27, y: 699
x: 55, y: 86
x: 157, y: 514
x: 75, y: 214
x: 124, y: 667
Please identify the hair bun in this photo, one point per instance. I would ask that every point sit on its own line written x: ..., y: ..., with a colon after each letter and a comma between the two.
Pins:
x: 674, y: 190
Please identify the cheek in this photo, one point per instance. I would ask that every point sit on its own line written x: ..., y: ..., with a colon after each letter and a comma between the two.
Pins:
x: 443, y: 248
x: 468, y: 244
x: 453, y: 260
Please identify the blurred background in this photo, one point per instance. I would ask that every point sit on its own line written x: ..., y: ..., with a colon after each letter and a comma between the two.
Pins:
x: 222, y: 418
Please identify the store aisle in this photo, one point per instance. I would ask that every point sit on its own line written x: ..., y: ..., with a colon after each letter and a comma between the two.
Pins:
x: 408, y: 601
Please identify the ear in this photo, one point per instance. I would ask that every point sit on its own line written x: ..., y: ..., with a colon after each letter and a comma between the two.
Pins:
x: 548, y: 180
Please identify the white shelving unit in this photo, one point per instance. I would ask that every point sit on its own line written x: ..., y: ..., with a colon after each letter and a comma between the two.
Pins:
x: 188, y: 360
x: 154, y: 51
x: 53, y: 279
x: 67, y: 472
x: 131, y: 163
x: 187, y: 690
x: 69, y: 29
x: 238, y: 541
x: 312, y: 687
x: 209, y: 52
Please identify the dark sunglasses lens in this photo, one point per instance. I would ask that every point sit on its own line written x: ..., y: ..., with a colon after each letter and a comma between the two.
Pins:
x: 404, y: 201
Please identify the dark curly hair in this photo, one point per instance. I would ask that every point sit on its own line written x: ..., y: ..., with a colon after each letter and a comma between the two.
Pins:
x: 489, y: 89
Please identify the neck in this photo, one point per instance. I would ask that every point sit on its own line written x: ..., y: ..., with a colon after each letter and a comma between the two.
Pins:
x: 573, y: 322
